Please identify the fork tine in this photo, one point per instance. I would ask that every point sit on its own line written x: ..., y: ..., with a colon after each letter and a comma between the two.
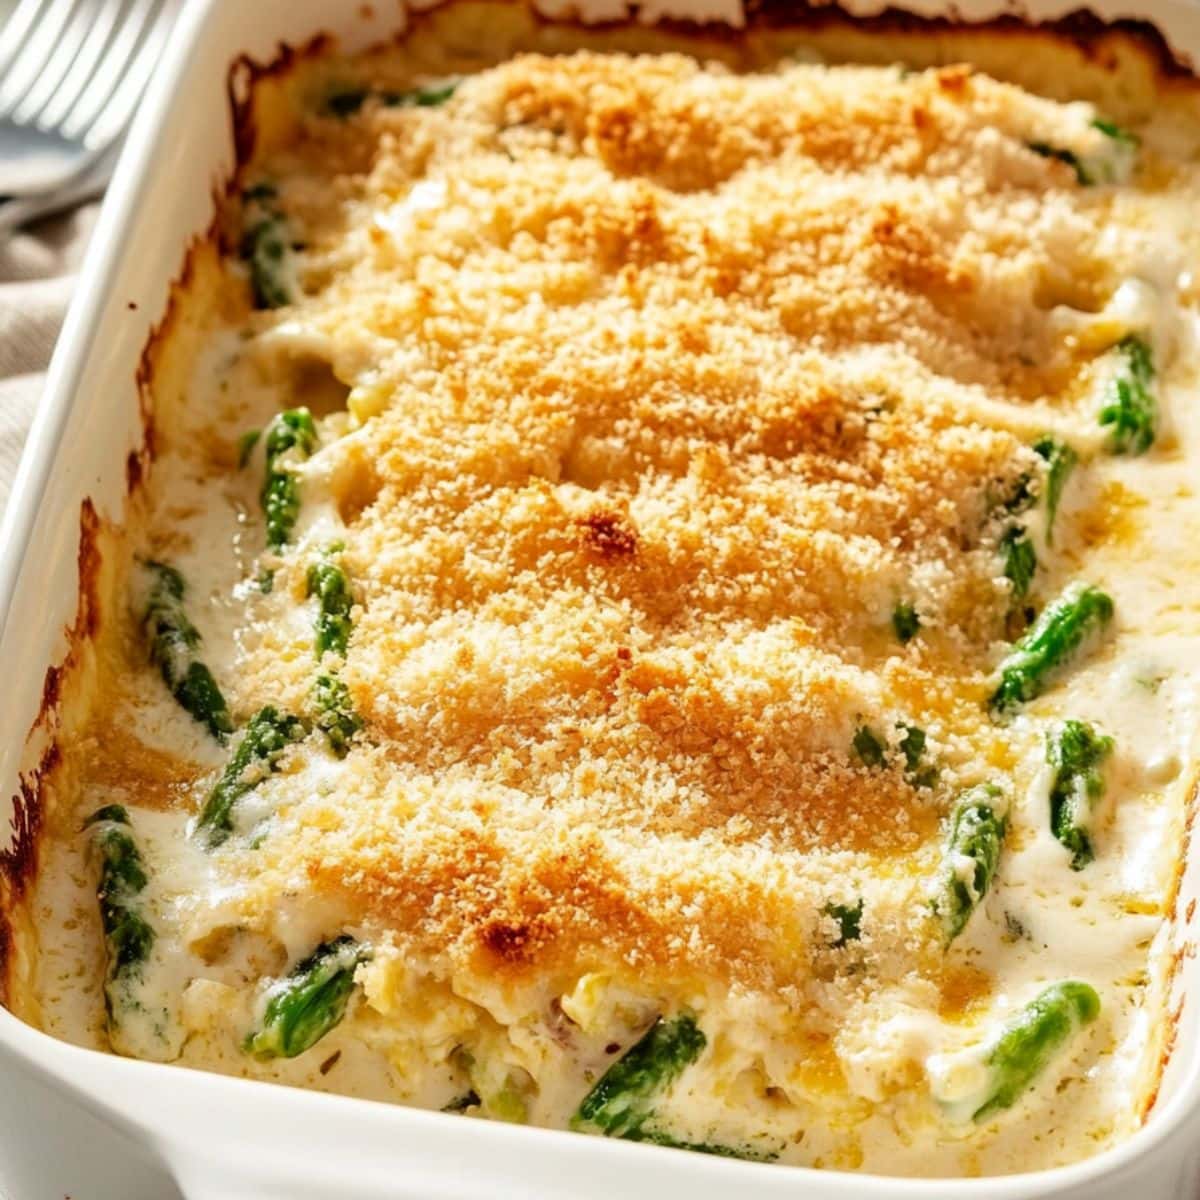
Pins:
x: 66, y: 50
x: 16, y: 29
x: 34, y: 54
x: 110, y: 71
x: 121, y: 104
x: 85, y: 65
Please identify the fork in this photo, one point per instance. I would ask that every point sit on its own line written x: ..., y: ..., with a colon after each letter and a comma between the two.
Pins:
x: 71, y: 74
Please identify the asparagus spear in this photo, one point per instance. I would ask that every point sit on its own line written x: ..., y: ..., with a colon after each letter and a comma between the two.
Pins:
x: 291, y: 430
x: 1111, y: 162
x: 1060, y: 462
x: 1055, y: 638
x: 1130, y: 406
x: 430, y: 96
x: 266, y: 247
x: 1077, y: 753
x: 622, y: 1101
x: 335, y: 715
x: 1020, y: 561
x: 267, y: 736
x: 977, y: 830
x: 1024, y: 1048
x: 912, y: 746
x: 173, y: 644
x: 346, y: 101
x: 1117, y: 156
x: 905, y: 622
x: 139, y: 1023
x: 1062, y: 155
x: 871, y: 750
x: 327, y: 581
x: 305, y: 1005
x: 128, y: 936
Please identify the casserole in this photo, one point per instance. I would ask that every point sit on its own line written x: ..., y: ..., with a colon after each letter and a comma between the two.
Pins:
x: 83, y: 619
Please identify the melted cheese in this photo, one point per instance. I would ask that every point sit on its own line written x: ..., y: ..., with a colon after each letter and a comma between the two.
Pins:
x: 646, y: 389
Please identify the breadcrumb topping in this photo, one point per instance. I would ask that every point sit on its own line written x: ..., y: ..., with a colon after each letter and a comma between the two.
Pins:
x: 669, y: 384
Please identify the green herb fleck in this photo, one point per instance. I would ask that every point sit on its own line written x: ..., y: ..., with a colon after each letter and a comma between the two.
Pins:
x: 905, y: 622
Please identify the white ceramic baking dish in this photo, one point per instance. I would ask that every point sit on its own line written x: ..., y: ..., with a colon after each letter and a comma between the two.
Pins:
x: 93, y: 1126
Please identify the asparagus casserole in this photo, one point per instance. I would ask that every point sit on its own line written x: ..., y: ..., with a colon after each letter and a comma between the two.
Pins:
x: 661, y: 605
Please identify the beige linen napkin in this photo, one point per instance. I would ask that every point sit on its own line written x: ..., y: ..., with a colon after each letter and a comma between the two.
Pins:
x: 37, y: 279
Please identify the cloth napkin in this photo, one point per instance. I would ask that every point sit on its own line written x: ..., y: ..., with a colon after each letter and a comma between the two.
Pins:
x: 37, y: 279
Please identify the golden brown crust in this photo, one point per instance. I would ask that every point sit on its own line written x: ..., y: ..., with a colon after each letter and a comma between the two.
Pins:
x: 688, y: 402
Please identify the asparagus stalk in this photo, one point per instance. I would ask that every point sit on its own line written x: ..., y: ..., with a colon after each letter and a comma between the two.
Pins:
x: 871, y: 750
x: 1062, y: 155
x: 128, y: 936
x: 266, y: 247
x: 305, y: 1005
x: 972, y: 854
x: 1116, y: 157
x: 1077, y: 753
x: 267, y: 736
x: 1060, y: 462
x: 1130, y: 408
x: 1020, y: 561
x: 1112, y: 160
x: 290, y: 433
x: 335, y: 715
x: 327, y: 582
x: 141, y: 1023
x: 1054, y: 639
x: 622, y: 1101
x: 174, y: 641
x: 912, y: 746
x: 1021, y: 1051
x: 432, y: 95
x: 346, y: 101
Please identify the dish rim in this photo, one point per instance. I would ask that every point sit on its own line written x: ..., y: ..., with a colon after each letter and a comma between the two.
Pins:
x: 65, y: 1066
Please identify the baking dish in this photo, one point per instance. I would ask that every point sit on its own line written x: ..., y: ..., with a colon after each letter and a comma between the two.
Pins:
x: 140, y: 247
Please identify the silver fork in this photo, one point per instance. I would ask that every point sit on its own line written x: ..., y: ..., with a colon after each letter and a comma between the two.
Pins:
x: 71, y: 74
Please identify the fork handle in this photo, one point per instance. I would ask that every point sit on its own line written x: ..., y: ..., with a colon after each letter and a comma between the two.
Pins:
x: 85, y: 184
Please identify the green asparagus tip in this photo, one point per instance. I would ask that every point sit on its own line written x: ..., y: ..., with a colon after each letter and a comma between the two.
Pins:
x: 257, y: 755
x: 1130, y: 409
x: 622, y: 1100
x: 304, y: 1006
x: 1077, y: 753
x: 972, y: 855
x: 1029, y: 1042
x: 1060, y: 461
x: 1080, y: 613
